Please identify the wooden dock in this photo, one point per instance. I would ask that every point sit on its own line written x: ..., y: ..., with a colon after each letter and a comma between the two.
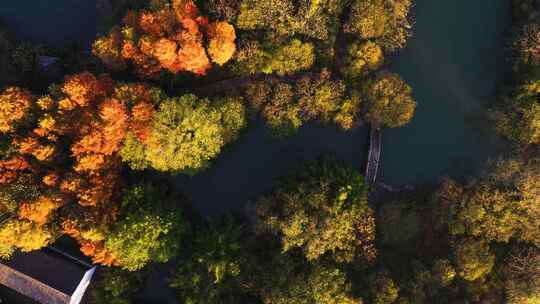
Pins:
x: 374, y: 153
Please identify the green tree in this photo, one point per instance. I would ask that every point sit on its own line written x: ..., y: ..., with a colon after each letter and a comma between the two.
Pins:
x: 383, y: 289
x: 321, y: 210
x: 286, y: 280
x: 211, y: 271
x: 362, y: 58
x: 500, y: 207
x: 473, y: 259
x: 280, y: 57
x: 116, y: 286
x: 291, y: 57
x: 389, y: 100
x: 315, y: 19
x: 517, y: 117
x: 384, y: 21
x: 399, y: 223
x: 187, y: 132
x: 150, y: 228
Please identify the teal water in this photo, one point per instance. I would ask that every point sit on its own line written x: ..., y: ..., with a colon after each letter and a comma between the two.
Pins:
x: 453, y: 63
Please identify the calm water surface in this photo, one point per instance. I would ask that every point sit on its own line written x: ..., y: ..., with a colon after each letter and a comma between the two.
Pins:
x: 453, y: 62
x: 55, y: 23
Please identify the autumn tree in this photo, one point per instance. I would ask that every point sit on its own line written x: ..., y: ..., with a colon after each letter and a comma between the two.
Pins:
x: 523, y: 276
x: 473, y: 259
x: 221, y: 47
x: 389, y: 100
x: 517, y: 117
x: 15, y: 106
x: 382, y: 21
x: 501, y: 207
x: 186, y: 133
x: 317, y: 20
x: 282, y: 57
x: 170, y: 38
x: 362, y: 58
x: 61, y: 173
x: 321, y: 210
x: 288, y: 105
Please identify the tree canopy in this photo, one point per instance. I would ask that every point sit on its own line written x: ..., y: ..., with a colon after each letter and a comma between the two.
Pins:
x: 171, y: 37
x: 389, y: 100
x: 321, y: 210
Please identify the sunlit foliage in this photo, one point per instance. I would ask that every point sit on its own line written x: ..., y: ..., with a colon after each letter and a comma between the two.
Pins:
x: 149, y: 229
x: 315, y: 19
x: 517, y: 116
x: 323, y: 211
x: 382, y: 21
x: 389, y: 100
x: 282, y: 58
x: 170, y: 38
x: 288, y: 105
x: 186, y: 133
x: 362, y: 58
x: 501, y: 207
x: 15, y: 105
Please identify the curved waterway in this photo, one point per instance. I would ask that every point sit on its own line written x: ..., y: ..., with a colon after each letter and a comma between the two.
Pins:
x: 453, y: 63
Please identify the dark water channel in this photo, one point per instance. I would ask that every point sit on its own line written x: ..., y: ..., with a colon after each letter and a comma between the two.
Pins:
x: 54, y: 23
x: 453, y: 62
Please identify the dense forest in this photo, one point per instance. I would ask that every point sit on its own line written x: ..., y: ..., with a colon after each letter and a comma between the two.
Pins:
x: 171, y: 84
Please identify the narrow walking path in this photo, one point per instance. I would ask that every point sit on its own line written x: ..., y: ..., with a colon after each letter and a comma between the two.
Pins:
x: 374, y: 154
x: 234, y: 83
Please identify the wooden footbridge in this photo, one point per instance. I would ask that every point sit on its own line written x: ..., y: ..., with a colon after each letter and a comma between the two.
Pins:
x: 374, y: 153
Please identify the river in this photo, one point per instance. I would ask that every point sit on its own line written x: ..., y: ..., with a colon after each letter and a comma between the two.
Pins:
x: 453, y: 63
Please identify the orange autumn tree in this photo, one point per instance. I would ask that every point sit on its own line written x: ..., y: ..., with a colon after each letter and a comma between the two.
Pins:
x: 64, y: 176
x: 14, y: 106
x: 173, y: 38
